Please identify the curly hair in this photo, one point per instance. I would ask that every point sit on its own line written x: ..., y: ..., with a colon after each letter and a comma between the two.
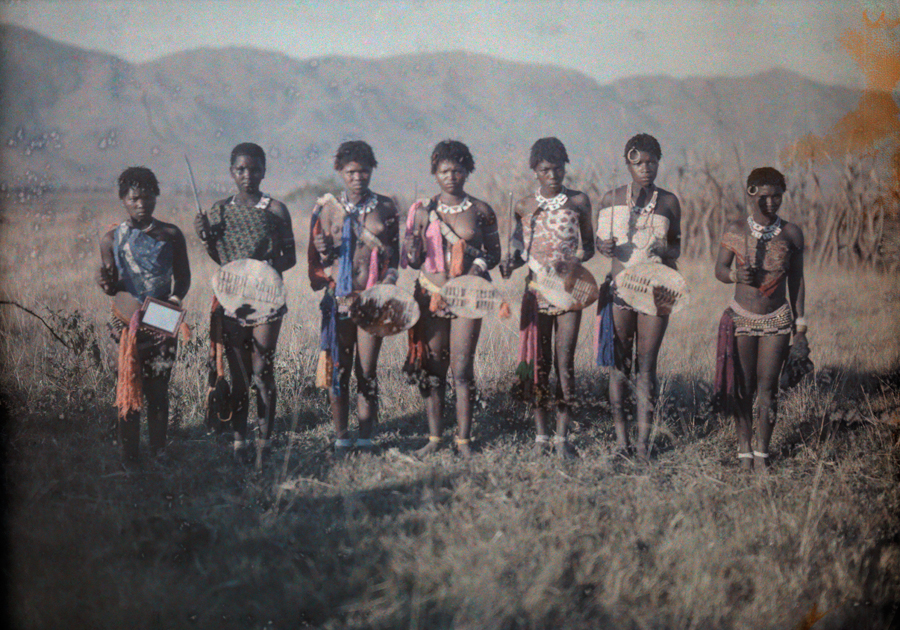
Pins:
x: 139, y: 177
x: 249, y: 149
x: 643, y: 142
x: 548, y: 150
x: 354, y: 151
x: 766, y: 176
x: 452, y: 151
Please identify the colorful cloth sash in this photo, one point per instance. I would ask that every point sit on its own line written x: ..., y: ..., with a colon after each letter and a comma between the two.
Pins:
x: 143, y: 262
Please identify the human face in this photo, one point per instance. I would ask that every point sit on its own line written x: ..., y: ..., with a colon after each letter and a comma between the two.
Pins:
x: 139, y: 204
x: 766, y: 202
x: 550, y: 176
x: 356, y: 179
x: 451, y: 177
x: 643, y: 170
x: 247, y: 173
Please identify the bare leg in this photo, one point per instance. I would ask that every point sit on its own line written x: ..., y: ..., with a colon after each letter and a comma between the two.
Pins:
x: 157, y: 372
x: 625, y: 325
x: 367, y: 350
x: 567, y: 326
x: 340, y: 404
x: 463, y: 341
x: 649, y: 337
x: 542, y: 388
x: 745, y: 387
x: 772, y: 354
x: 237, y: 352
x: 265, y: 340
x: 436, y: 363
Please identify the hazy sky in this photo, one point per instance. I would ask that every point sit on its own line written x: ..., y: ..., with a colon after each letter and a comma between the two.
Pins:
x: 601, y: 38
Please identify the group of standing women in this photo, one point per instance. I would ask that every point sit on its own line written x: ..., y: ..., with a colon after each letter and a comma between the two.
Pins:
x: 355, y: 243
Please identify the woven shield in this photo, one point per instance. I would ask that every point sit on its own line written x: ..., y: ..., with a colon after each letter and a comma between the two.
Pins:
x: 653, y: 289
x: 251, y: 289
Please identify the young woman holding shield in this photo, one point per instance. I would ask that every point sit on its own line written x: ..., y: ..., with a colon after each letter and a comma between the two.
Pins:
x: 450, y: 235
x: 637, y: 223
x: 768, y: 305
x: 249, y: 226
x: 358, y: 236
x: 552, y: 231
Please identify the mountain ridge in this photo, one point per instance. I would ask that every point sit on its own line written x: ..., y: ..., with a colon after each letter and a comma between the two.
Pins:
x: 74, y: 117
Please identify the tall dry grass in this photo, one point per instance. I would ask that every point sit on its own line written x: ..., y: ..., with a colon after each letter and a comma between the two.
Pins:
x: 504, y: 541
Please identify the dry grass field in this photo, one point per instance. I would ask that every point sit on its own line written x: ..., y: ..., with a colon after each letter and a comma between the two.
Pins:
x: 506, y: 540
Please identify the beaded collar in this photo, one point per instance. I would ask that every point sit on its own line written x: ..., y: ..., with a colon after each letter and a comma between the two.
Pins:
x: 764, y: 232
x: 262, y: 204
x: 443, y: 208
x: 646, y: 209
x: 365, y: 205
x: 553, y: 203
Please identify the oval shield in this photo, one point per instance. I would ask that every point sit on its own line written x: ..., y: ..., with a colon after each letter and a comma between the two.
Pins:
x: 653, y: 289
x: 471, y: 297
x: 384, y: 310
x: 566, y: 285
x: 251, y: 289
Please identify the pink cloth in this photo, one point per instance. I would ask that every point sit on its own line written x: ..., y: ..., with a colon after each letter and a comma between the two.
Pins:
x: 373, y: 269
x: 434, y: 243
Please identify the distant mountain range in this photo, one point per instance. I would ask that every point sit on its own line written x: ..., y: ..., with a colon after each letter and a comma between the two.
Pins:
x: 75, y: 117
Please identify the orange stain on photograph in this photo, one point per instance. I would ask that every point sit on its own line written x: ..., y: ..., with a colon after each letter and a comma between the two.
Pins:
x: 876, y: 120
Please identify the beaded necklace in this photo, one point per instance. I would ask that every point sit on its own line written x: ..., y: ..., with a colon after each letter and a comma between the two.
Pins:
x: 553, y: 203
x: 764, y: 232
x: 363, y: 207
x: 443, y: 208
x: 638, y: 210
x: 262, y: 204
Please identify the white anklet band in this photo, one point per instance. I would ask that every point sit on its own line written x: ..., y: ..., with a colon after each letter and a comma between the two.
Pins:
x: 542, y: 439
x: 343, y: 443
x: 745, y: 455
x: 559, y: 439
x: 240, y: 444
x: 758, y: 454
x: 364, y: 442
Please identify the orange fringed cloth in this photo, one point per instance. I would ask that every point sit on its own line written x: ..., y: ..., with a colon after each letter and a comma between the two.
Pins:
x: 129, y: 395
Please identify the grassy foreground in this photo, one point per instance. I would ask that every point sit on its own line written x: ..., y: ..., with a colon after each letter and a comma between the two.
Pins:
x: 507, y: 540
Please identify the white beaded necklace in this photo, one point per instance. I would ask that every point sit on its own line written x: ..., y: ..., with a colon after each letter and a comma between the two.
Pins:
x: 443, y: 208
x: 262, y: 204
x: 360, y: 208
x: 554, y: 203
x: 146, y: 230
x: 764, y: 232
x: 646, y: 209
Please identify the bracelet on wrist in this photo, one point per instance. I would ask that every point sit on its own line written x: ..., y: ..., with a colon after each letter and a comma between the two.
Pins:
x: 732, y: 275
x: 481, y: 262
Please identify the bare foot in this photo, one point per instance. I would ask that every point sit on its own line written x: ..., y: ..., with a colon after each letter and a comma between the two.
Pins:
x: 760, y: 463
x: 541, y: 448
x: 746, y: 463
x: 464, y: 449
x: 433, y: 446
x: 642, y: 453
x: 564, y: 450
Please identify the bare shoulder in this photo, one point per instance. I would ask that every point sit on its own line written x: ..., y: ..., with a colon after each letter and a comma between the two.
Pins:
x: 793, y: 233
x: 580, y: 200
x: 483, y: 211
x: 610, y: 196
x: 279, y: 210
x: 667, y: 200
x: 526, y: 206
x: 386, y: 205
x: 170, y: 230
x: 107, y: 239
x: 738, y: 227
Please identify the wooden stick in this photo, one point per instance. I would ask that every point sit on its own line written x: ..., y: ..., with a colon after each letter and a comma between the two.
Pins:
x: 193, y: 184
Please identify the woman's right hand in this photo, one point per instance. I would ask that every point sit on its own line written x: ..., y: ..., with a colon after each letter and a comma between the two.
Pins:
x: 201, y: 227
x: 744, y: 275
x: 607, y: 247
x: 322, y: 244
x: 106, y: 279
x: 415, y: 248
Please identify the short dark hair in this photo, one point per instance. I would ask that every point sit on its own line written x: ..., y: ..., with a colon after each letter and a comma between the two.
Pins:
x: 249, y: 149
x: 452, y: 151
x: 548, y: 150
x: 139, y: 177
x: 354, y: 151
x: 643, y: 142
x: 766, y: 176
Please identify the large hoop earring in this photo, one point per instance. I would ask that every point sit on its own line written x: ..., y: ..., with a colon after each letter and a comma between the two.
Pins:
x: 752, y: 190
x: 633, y: 156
